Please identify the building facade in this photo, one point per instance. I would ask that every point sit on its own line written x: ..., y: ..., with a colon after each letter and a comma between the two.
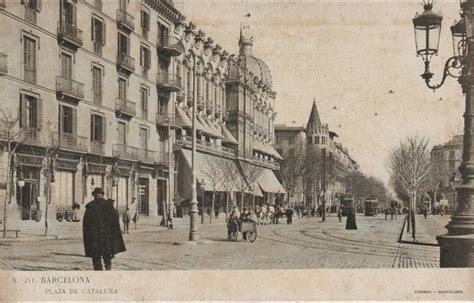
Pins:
x: 103, y: 92
x: 316, y: 138
x: 446, y: 160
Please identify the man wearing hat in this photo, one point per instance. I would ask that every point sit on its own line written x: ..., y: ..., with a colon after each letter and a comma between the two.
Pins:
x: 101, y: 231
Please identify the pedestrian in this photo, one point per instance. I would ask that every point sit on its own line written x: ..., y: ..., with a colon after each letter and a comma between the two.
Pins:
x: 216, y: 212
x: 101, y: 231
x: 425, y: 212
x: 339, y: 214
x: 126, y: 220
x: 351, y: 219
x: 289, y: 216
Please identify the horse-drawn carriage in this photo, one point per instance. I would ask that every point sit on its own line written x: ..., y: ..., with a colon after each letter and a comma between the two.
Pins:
x: 248, y: 228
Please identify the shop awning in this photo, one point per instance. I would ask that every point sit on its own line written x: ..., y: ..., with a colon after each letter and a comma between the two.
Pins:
x: 259, y: 147
x: 207, y: 130
x: 199, y: 126
x: 206, y: 169
x: 182, y: 119
x: 228, y: 138
x: 274, y: 152
x: 214, y: 130
x: 269, y: 183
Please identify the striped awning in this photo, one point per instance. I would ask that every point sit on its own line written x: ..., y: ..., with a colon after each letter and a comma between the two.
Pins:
x: 228, y: 138
x: 269, y: 183
x: 182, y: 120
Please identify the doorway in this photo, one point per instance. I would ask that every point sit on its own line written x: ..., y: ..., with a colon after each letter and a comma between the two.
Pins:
x: 27, y: 195
x: 143, y: 196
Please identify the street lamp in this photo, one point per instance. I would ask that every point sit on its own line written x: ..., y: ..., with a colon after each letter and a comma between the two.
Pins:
x: 453, y: 181
x: 457, y: 246
x: 427, y: 33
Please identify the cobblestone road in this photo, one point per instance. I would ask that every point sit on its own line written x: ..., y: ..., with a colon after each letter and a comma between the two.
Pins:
x: 307, y: 243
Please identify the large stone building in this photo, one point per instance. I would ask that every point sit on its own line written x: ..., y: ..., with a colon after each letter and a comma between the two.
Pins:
x: 314, y: 138
x: 107, y: 88
x: 446, y: 159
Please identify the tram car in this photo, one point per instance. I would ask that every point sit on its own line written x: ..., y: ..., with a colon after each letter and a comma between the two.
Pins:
x: 371, y: 207
x: 347, y: 203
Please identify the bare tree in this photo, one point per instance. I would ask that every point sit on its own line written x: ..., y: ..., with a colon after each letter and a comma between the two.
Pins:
x: 249, y: 175
x: 410, y: 169
x: 214, y: 174
x: 292, y: 168
x: 229, y: 175
x: 12, y: 136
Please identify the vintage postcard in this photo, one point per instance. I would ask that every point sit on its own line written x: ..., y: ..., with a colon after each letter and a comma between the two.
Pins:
x: 236, y: 150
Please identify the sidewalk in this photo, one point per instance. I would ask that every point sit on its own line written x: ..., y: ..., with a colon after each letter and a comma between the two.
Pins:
x: 427, y: 229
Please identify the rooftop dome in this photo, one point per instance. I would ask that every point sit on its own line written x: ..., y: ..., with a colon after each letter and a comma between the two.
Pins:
x: 253, y: 65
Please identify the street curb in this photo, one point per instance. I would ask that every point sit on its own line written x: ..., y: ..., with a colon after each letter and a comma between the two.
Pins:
x: 403, y: 229
x: 193, y: 243
x: 401, y: 241
x: 29, y: 239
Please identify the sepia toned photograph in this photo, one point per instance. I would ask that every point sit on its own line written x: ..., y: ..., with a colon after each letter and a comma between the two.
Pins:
x: 167, y: 136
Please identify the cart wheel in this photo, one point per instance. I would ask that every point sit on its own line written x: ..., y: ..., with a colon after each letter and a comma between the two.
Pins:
x: 252, y: 236
x: 233, y: 236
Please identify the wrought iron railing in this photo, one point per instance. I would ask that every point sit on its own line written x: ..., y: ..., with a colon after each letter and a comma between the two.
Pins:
x: 169, y: 44
x: 124, y: 151
x: 126, y: 61
x: 126, y: 19
x: 70, y: 87
x: 29, y: 74
x: 125, y: 106
x: 70, y: 32
x: 30, y: 14
x: 169, y: 79
x: 74, y: 142
x: 3, y: 63
x: 97, y: 147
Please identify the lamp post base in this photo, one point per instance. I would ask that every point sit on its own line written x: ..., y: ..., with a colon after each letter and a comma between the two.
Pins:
x: 456, y: 251
x: 193, y: 232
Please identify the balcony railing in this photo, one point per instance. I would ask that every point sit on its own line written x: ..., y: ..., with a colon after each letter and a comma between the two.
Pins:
x: 3, y: 63
x: 97, y: 97
x: 30, y: 14
x: 124, y: 151
x: 98, y: 4
x: 126, y: 20
x: 126, y: 107
x: 73, y: 142
x: 97, y: 147
x: 70, y: 33
x: 29, y: 74
x: 126, y: 62
x: 69, y: 87
x: 29, y: 135
x: 169, y: 45
x: 165, y: 119
x: 98, y: 48
x: 206, y: 146
x: 168, y: 82
x: 267, y: 163
x: 146, y: 155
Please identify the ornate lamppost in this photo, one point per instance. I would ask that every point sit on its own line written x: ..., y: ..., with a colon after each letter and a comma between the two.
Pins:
x: 457, y: 247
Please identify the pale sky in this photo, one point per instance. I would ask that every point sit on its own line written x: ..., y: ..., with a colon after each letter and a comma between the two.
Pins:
x: 348, y: 55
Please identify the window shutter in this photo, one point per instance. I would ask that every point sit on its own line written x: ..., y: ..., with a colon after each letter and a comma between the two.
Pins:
x: 128, y: 45
x: 103, y: 33
x: 74, y: 121
x: 92, y: 128
x: 38, y: 5
x: 147, y: 22
x: 142, y: 51
x: 74, y: 14
x: 93, y: 29
x: 22, y: 111
x: 104, y: 129
x: 40, y: 114
x: 61, y: 119
x: 148, y: 61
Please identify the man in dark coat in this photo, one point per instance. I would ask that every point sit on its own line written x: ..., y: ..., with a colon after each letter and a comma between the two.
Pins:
x: 351, y: 220
x: 101, y: 231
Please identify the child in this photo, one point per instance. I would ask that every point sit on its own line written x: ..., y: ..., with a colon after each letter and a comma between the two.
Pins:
x: 126, y: 220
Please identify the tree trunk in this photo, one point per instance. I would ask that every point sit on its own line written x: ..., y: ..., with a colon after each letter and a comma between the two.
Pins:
x: 7, y: 193
x: 253, y: 205
x: 227, y: 206
x: 212, y: 208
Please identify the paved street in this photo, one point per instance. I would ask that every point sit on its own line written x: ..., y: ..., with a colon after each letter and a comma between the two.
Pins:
x: 306, y: 244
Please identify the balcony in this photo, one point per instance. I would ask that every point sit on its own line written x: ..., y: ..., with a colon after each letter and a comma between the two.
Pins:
x: 70, y: 34
x: 73, y: 142
x: 168, y: 82
x: 125, y: 63
x: 125, y: 108
x: 29, y: 136
x: 29, y: 74
x: 166, y: 119
x: 124, y: 151
x: 269, y: 164
x: 169, y: 45
x: 97, y: 148
x: 125, y: 20
x: 98, y: 5
x: 186, y: 141
x: 30, y: 15
x: 69, y: 88
x: 98, y: 48
x: 150, y: 156
x: 3, y: 64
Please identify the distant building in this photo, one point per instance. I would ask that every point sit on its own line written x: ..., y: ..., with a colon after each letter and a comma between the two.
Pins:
x: 447, y: 159
x: 316, y: 134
